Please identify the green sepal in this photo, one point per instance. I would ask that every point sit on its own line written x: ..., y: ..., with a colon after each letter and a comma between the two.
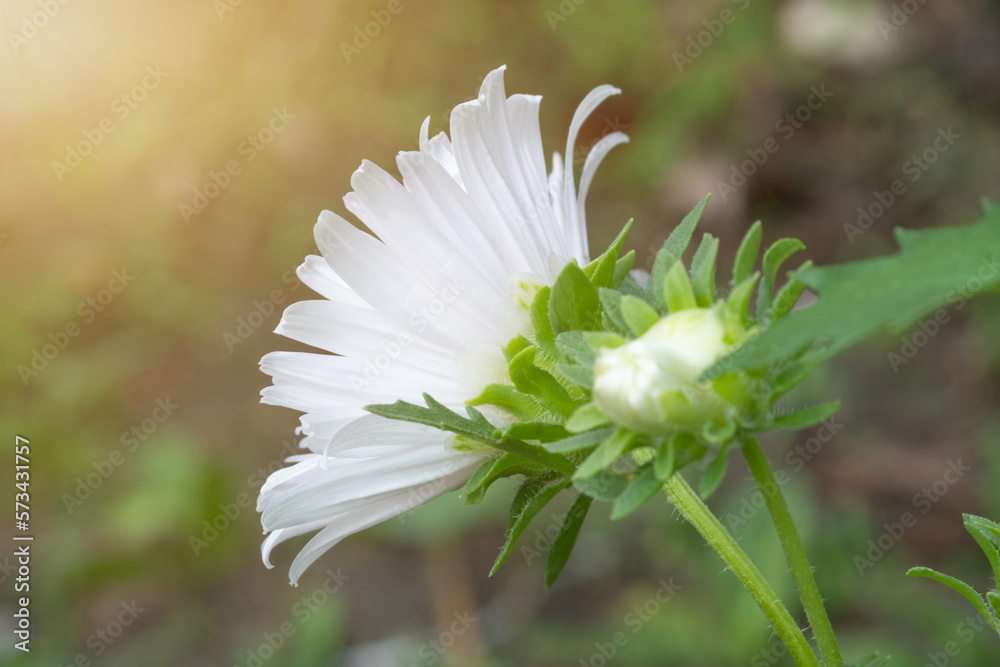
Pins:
x: 606, y: 453
x: 611, y: 301
x: 622, y: 267
x: 522, y: 406
x: 578, y: 374
x: 602, y: 339
x: 672, y: 250
x: 703, y: 271
x: 605, y: 485
x: 644, y: 485
x: 563, y: 545
x: 575, y: 347
x: 573, y: 301
x: 987, y: 536
x: 738, y: 304
x: 718, y: 432
x: 792, y: 376
x: 575, y: 443
x: 539, y: 314
x: 639, y: 316
x: 805, y: 417
x: 714, y: 473
x: 785, y: 300
x: 746, y: 256
x: 541, y: 431
x: 774, y: 257
x: 629, y: 286
x: 601, y: 271
x: 585, y: 418
x: 677, y: 289
x: 525, y: 507
x: 530, y: 379
x: 515, y: 346
x: 665, y: 460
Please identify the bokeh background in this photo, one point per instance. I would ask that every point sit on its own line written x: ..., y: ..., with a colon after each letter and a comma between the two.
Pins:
x: 115, y: 116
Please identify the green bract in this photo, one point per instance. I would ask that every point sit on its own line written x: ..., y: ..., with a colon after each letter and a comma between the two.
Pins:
x: 589, y: 321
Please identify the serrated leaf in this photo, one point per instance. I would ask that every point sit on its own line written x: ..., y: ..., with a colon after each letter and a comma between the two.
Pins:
x: 774, y: 257
x: 703, y: 271
x: 805, y: 417
x: 585, y: 418
x: 573, y: 301
x: 859, y: 299
x: 575, y: 443
x: 436, y: 415
x: 563, y: 545
x: 639, y: 316
x: 539, y: 314
x: 644, y: 485
x: 746, y: 256
x: 672, y: 251
x: 605, y: 485
x: 531, y: 505
x: 606, y: 453
x: 960, y: 587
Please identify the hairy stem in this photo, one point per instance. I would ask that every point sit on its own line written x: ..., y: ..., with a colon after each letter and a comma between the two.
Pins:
x: 791, y: 543
x: 708, y: 525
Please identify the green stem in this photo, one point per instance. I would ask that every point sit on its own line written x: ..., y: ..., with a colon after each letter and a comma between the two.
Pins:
x: 794, y: 552
x: 705, y: 522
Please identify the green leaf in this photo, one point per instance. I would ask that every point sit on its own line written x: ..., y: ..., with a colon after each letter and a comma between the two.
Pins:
x: 611, y: 301
x: 805, y: 417
x: 934, y: 267
x: 739, y: 299
x: 639, y: 316
x: 606, y: 453
x: 573, y: 302
x: 678, y: 290
x: 715, y: 472
x: 601, y: 339
x: 987, y: 536
x: 575, y: 347
x: 632, y: 288
x: 601, y: 271
x: 958, y: 586
x: 530, y: 379
x: 544, y: 431
x: 580, y: 375
x: 774, y: 257
x: 575, y: 443
x: 746, y: 256
x: 643, y: 486
x: 523, y: 406
x: 605, y: 485
x: 622, y: 267
x: 531, y: 503
x: 585, y: 418
x: 505, y: 465
x: 789, y: 294
x: 703, y: 271
x: 438, y: 416
x: 672, y: 250
x: 539, y: 314
x: 666, y: 458
x: 562, y: 546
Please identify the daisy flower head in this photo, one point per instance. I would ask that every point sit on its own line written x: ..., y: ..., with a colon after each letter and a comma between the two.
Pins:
x: 426, y: 305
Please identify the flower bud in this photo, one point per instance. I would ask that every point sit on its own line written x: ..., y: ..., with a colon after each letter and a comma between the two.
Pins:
x: 651, y: 384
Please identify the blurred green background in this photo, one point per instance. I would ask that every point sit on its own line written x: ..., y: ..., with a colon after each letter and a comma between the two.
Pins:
x: 114, y: 118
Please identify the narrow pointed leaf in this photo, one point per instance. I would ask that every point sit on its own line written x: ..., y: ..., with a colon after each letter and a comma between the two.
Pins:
x: 531, y: 507
x: 639, y: 316
x: 774, y: 257
x: 703, y: 271
x: 539, y: 313
x: 805, y: 417
x: 606, y: 453
x: 643, y: 486
x: 605, y: 485
x: 563, y: 545
x: 746, y: 256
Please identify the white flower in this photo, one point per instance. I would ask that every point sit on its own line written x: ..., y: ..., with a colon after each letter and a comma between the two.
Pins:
x: 425, y: 307
x: 651, y: 384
